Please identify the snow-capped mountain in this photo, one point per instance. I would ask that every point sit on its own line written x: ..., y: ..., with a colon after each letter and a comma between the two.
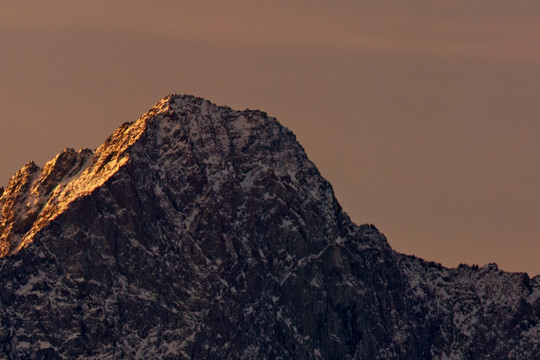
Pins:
x: 201, y: 232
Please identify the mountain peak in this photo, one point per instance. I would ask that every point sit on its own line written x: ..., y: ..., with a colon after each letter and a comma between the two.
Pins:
x: 179, y: 131
x: 202, y: 232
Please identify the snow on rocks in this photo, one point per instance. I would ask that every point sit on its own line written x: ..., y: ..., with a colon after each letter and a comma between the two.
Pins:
x: 203, y: 232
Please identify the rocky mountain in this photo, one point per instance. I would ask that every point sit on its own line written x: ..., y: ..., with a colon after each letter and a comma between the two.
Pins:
x: 201, y: 232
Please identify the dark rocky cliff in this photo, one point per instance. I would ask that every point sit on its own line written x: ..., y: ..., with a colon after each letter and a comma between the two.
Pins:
x: 200, y: 232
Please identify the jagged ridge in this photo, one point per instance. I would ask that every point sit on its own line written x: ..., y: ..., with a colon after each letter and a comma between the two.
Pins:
x: 30, y: 190
x: 36, y: 196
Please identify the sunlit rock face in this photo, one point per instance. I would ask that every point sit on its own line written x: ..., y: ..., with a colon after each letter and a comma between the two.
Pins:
x: 201, y: 232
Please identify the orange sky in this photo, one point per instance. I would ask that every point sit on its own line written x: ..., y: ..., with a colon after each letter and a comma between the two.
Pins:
x: 424, y: 115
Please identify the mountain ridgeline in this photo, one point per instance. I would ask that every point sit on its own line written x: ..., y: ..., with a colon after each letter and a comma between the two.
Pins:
x: 201, y: 232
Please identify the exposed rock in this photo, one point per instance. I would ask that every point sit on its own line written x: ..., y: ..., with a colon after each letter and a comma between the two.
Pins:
x: 30, y: 190
x: 200, y: 232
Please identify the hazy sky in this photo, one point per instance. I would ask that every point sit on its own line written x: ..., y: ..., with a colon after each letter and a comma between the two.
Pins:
x: 424, y: 115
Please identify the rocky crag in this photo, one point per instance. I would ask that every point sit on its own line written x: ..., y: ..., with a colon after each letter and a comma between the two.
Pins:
x: 201, y: 232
